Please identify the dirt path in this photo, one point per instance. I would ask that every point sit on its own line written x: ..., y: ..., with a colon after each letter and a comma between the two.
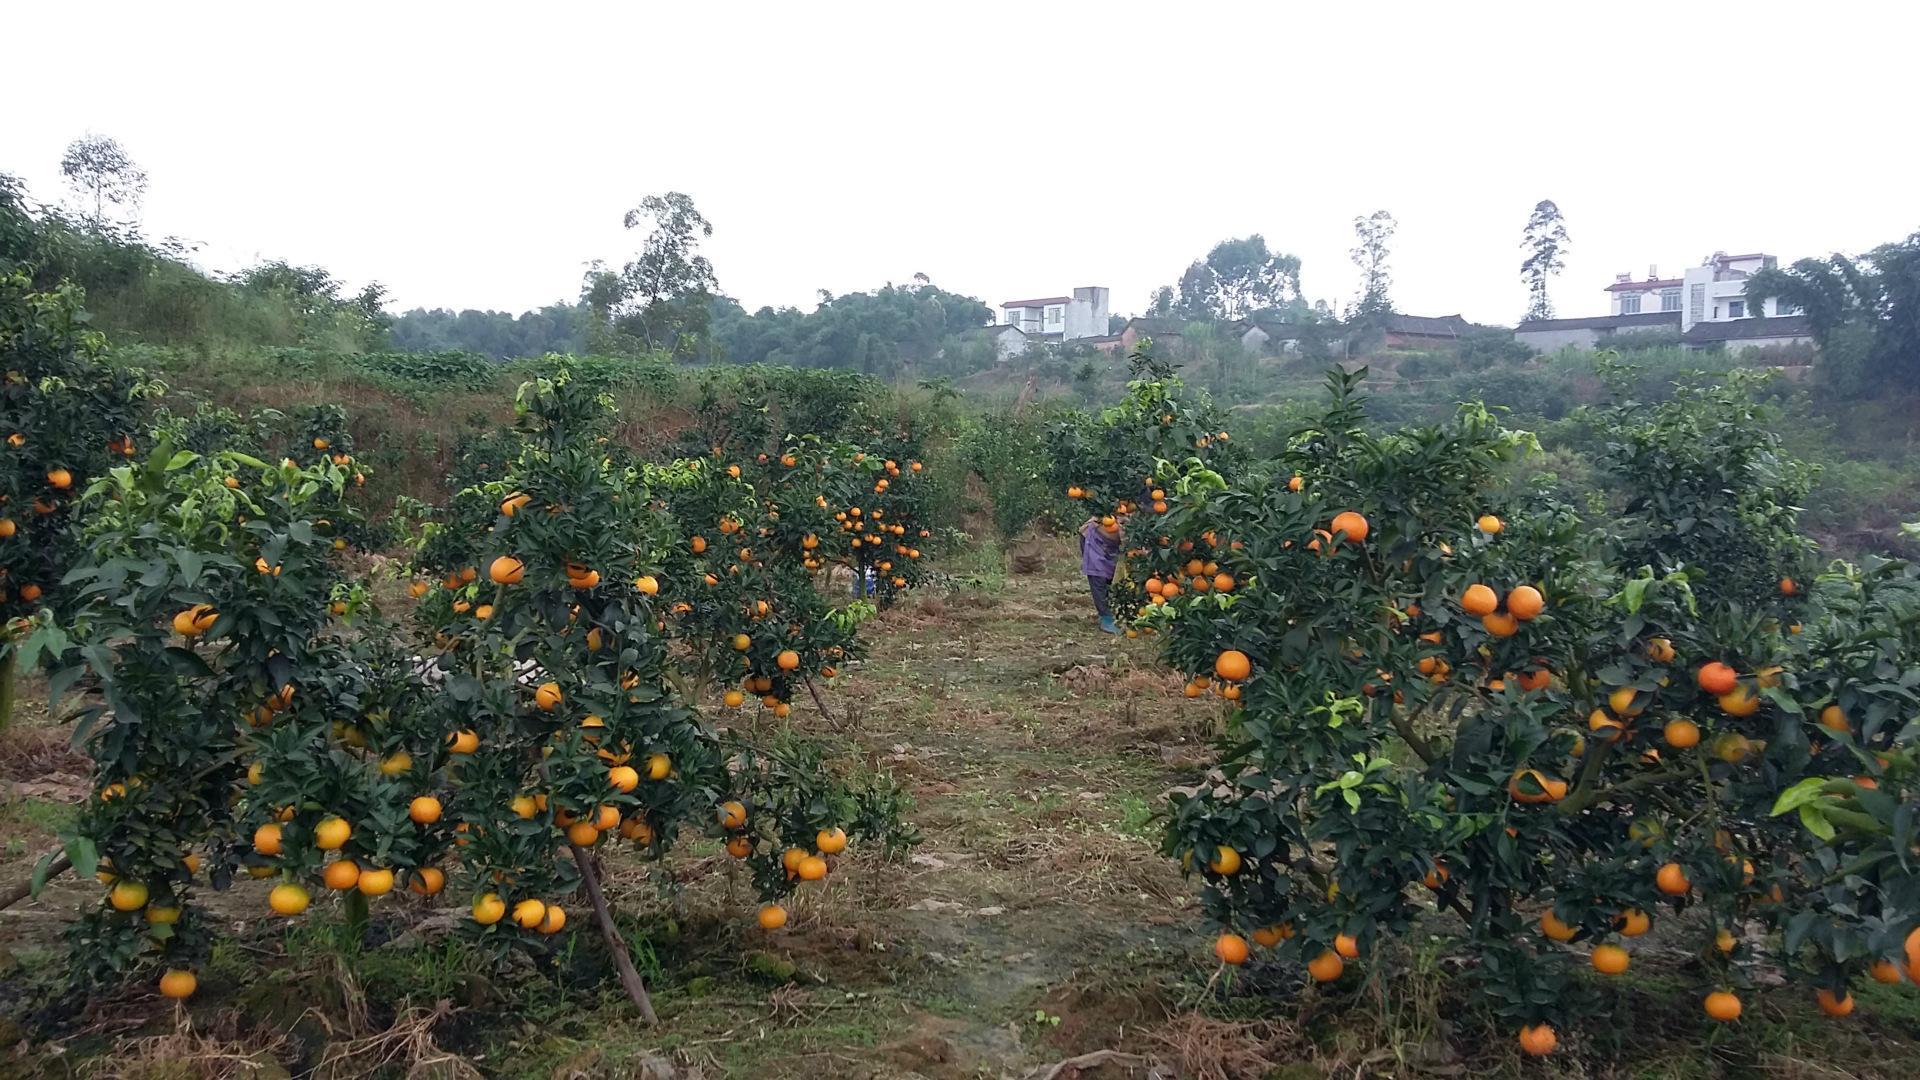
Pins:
x: 1036, y: 920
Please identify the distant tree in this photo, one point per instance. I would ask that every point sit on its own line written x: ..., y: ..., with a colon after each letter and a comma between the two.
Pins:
x: 1250, y: 278
x: 1864, y: 313
x: 1199, y: 292
x: 1545, y: 241
x: 313, y: 295
x: 661, y: 297
x: 102, y: 175
x: 1162, y: 304
x: 922, y: 279
x: 1370, y: 254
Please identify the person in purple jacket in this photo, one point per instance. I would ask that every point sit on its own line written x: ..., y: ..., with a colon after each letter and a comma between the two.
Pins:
x: 1099, y: 552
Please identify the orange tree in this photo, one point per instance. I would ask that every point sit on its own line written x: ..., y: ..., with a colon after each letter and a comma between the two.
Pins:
x: 203, y: 602
x: 1107, y: 464
x: 66, y: 414
x: 1446, y: 693
x: 559, y: 714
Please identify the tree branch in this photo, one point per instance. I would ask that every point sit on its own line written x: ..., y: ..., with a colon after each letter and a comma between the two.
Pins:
x: 622, y: 962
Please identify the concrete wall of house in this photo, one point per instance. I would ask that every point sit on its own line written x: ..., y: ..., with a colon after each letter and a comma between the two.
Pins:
x: 1555, y: 340
x: 1086, y: 314
x: 1744, y: 344
x: 1009, y: 343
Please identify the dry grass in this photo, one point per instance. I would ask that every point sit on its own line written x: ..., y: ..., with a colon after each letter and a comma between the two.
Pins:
x: 1205, y: 1048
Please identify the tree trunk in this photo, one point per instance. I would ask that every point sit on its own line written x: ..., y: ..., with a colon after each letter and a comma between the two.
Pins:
x: 9, y: 670
x: 622, y: 961
x: 15, y: 893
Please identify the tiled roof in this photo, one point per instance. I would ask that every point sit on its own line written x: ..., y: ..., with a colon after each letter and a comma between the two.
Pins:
x: 1747, y: 329
x: 1042, y: 302
x: 1643, y: 286
x: 1603, y: 322
x: 1430, y: 325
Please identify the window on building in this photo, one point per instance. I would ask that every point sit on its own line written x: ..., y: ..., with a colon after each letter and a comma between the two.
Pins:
x: 1736, y: 309
x: 1669, y: 299
x: 1630, y: 304
x: 1697, y: 302
x: 1054, y: 313
x: 1781, y: 307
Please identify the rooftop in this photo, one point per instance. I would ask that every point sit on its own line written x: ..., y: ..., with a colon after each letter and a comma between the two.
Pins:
x: 1042, y: 302
x: 1602, y: 322
x: 1748, y: 329
x: 1642, y: 286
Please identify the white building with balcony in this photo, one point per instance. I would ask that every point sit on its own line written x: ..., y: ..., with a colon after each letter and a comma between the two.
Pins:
x: 1706, y: 306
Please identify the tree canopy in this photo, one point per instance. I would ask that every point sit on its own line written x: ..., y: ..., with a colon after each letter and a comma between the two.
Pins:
x: 1863, y: 310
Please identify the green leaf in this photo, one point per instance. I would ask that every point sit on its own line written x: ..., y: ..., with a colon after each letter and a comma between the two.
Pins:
x: 1816, y: 824
x: 181, y: 460
x: 1800, y: 794
x: 83, y: 855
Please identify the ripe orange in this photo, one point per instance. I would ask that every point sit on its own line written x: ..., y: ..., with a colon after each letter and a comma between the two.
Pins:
x: 1787, y: 588
x: 1479, y: 600
x: 1551, y: 926
x: 1500, y: 624
x: 377, y: 882
x: 488, y: 909
x: 427, y: 880
x: 555, y: 920
x: 659, y: 766
x: 1681, y: 734
x: 1226, y: 861
x: 1722, y: 1005
x: 741, y: 643
x: 127, y: 896
x: 1230, y: 948
x: 1621, y: 701
x: 1633, y: 922
x: 623, y: 777
x: 1296, y: 482
x: 1538, y: 1040
x: 1660, y: 651
x: 507, y: 570
x: 178, y: 983
x: 424, y: 810
x: 1717, y: 678
x: 1672, y: 880
x: 811, y: 868
x: 288, y: 899
x: 830, y: 841
x: 772, y: 917
x: 1834, y: 1006
x: 463, y: 742
x: 1346, y: 946
x: 1833, y: 719
x: 529, y: 914
x: 788, y: 660
x: 1232, y: 665
x: 60, y: 478
x: 331, y: 833
x: 1884, y: 971
x: 1609, y: 959
x: 582, y: 834
x: 1525, y: 603
x: 1490, y: 525
x: 1351, y: 523
x: 1223, y: 582
x: 548, y: 696
x: 734, y: 699
x: 733, y: 815
x: 740, y: 846
x: 1725, y: 941
x: 1326, y: 967
x: 1269, y: 936
x: 341, y: 874
x: 266, y: 839
x: 1740, y: 701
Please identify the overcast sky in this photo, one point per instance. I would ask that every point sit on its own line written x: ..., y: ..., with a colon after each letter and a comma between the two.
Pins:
x: 480, y: 155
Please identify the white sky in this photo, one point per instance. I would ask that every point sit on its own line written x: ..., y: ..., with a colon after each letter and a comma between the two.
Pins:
x: 478, y: 155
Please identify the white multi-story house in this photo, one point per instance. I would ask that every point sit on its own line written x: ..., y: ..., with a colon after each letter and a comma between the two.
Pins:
x: 1061, y: 318
x: 1706, y: 305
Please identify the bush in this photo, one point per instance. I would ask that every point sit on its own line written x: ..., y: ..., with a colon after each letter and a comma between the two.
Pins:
x: 1443, y: 696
